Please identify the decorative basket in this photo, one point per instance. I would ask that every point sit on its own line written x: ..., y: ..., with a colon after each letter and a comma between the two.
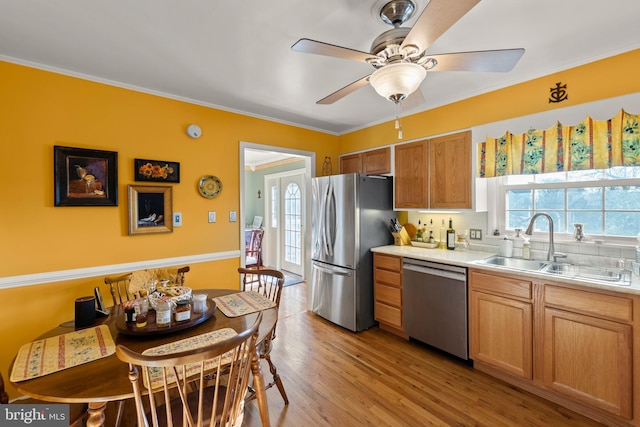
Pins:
x: 171, y: 293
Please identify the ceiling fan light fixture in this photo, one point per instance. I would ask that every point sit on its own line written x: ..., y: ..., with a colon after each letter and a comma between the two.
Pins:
x: 397, y: 81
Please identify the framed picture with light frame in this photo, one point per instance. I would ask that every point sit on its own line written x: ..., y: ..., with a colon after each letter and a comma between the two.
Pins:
x: 150, y: 209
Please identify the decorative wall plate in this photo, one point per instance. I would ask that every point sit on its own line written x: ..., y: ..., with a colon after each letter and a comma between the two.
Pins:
x: 209, y: 186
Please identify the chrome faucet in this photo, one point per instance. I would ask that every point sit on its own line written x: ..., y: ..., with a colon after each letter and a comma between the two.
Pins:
x: 551, y: 255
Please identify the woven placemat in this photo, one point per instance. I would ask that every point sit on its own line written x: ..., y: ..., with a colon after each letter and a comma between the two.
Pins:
x: 202, y: 340
x: 243, y: 303
x: 46, y: 356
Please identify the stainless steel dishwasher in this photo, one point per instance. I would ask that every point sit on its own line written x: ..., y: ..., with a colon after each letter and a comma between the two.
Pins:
x: 435, y: 305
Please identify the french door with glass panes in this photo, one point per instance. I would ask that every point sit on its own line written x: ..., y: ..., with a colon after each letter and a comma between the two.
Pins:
x: 285, y: 207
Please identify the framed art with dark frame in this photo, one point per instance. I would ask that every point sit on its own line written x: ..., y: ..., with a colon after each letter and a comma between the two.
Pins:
x: 156, y: 171
x: 150, y: 209
x: 85, y: 177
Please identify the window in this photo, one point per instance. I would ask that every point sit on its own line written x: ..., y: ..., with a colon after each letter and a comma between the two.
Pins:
x: 293, y: 224
x: 274, y: 206
x: 606, y: 201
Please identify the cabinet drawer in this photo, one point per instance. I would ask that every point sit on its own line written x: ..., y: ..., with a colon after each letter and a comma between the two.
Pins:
x: 388, y: 295
x: 387, y: 262
x: 390, y: 278
x: 597, y: 304
x: 389, y: 315
x: 510, y: 286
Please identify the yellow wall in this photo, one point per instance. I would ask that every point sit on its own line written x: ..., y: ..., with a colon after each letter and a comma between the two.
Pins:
x: 603, y: 79
x: 40, y: 109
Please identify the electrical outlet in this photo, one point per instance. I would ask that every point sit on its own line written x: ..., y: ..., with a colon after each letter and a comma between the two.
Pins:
x: 212, y: 217
x: 177, y: 219
x: 475, y: 234
x: 232, y: 216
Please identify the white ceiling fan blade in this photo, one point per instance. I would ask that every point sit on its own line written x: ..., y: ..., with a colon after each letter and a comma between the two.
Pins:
x: 501, y: 60
x: 327, y: 49
x: 435, y: 19
x: 341, y: 93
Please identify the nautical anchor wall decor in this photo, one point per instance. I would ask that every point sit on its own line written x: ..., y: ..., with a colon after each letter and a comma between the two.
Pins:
x: 558, y: 93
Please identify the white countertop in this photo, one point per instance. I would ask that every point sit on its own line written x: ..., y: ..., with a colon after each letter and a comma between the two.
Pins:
x: 467, y: 258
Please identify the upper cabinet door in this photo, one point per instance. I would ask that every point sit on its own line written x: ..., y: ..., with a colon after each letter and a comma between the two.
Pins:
x: 351, y: 163
x: 377, y: 162
x: 411, y: 178
x: 450, y: 171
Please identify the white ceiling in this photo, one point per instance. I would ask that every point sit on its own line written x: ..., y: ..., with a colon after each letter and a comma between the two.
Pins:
x: 236, y: 55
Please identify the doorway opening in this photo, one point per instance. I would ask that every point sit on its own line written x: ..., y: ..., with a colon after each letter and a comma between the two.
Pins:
x: 274, y: 183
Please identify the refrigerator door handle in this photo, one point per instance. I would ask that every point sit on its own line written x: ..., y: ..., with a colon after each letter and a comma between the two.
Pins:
x: 329, y: 221
x: 335, y: 270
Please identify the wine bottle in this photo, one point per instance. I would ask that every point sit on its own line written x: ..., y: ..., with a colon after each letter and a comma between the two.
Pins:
x: 451, y: 236
x: 443, y: 236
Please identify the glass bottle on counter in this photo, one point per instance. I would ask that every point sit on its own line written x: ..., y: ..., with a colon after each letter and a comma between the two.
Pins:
x: 451, y: 236
x: 443, y: 236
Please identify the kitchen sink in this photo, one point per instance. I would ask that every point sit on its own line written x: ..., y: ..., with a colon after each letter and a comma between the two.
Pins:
x: 603, y: 274
x: 515, y: 263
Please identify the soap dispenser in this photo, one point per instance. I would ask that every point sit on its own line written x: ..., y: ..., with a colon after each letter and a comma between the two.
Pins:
x: 506, y: 247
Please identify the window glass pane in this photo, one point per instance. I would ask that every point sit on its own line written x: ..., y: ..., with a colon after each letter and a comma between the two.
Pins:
x: 588, y: 175
x: 622, y: 223
x: 519, y: 199
x: 551, y: 177
x: 625, y: 197
x: 592, y: 221
x: 274, y: 206
x: 518, y: 219
x: 623, y: 172
x: 559, y: 223
x: 584, y: 198
x: 549, y: 199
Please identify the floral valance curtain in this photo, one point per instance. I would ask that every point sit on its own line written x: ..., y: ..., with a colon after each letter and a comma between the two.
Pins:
x: 591, y: 144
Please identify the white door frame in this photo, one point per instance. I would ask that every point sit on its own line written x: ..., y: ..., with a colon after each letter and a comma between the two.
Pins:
x: 310, y: 166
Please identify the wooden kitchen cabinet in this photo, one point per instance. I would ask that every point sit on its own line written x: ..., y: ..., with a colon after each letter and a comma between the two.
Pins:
x: 450, y: 171
x: 569, y: 343
x: 588, y: 348
x: 351, y: 163
x: 501, y: 323
x: 373, y: 162
x: 411, y: 177
x: 434, y: 173
x: 377, y: 162
x: 387, y: 291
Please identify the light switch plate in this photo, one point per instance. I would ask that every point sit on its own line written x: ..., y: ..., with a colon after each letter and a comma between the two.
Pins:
x: 177, y: 219
x: 212, y: 217
x: 232, y: 216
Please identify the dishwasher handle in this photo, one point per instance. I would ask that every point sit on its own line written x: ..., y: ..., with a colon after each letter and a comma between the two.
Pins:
x: 462, y: 277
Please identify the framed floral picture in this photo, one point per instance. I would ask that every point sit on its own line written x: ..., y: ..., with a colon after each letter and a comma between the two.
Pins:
x: 150, y: 209
x: 85, y: 177
x: 156, y: 171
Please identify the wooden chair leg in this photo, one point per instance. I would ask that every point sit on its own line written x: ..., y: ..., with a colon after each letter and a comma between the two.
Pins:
x: 120, y: 413
x: 276, y: 379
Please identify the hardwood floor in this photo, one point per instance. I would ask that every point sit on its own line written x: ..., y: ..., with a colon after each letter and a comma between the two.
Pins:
x: 334, y: 377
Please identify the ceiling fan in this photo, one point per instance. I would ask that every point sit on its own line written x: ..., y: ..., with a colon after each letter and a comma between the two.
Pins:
x: 399, y: 54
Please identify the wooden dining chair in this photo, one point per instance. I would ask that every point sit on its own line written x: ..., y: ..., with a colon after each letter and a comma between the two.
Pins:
x: 77, y: 411
x: 172, y: 399
x: 253, y: 252
x: 180, y: 276
x: 119, y: 288
x: 268, y: 283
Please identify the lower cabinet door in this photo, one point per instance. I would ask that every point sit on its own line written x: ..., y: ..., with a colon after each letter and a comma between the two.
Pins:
x: 589, y: 359
x: 501, y: 333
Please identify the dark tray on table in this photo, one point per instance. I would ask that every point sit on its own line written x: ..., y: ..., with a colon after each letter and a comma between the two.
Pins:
x: 152, y: 329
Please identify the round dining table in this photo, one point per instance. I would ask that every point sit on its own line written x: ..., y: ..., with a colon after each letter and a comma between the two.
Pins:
x: 107, y: 379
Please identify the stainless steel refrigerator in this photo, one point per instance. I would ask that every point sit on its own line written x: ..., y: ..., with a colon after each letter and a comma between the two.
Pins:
x: 351, y: 213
